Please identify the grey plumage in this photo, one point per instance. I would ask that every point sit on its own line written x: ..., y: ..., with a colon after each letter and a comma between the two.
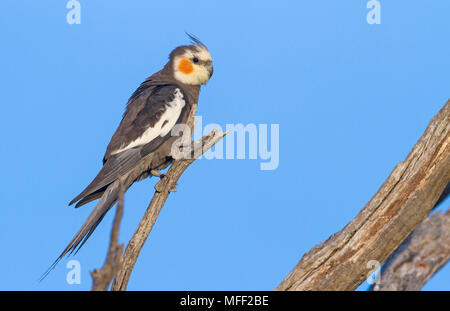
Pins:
x: 143, y: 111
x: 160, y: 96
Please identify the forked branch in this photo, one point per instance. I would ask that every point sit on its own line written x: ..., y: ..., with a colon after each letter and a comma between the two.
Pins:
x: 400, y: 205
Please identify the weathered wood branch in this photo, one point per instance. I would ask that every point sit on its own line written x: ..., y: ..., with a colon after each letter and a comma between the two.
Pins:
x: 399, y: 206
x: 444, y: 195
x: 419, y: 257
x: 118, y: 266
x: 164, y: 186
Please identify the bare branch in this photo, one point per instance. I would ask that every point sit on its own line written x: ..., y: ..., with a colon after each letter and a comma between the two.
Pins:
x: 419, y: 257
x: 399, y: 206
x: 145, y: 226
x: 120, y: 267
x: 164, y: 186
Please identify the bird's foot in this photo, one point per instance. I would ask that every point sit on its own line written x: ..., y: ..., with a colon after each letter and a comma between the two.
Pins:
x: 157, y: 173
x: 159, y: 187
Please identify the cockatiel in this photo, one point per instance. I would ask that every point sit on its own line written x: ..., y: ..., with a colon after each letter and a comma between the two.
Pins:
x: 162, y: 101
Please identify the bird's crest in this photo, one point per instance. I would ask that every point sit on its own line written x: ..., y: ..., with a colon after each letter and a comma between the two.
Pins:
x: 195, y: 40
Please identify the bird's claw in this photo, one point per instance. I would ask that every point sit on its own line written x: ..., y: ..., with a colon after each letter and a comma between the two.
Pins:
x: 157, y: 173
x: 159, y: 185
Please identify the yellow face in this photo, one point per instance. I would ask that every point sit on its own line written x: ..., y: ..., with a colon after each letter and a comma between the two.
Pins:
x: 194, y: 67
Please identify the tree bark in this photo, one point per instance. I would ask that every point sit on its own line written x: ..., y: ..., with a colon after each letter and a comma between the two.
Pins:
x: 399, y: 206
x: 419, y: 257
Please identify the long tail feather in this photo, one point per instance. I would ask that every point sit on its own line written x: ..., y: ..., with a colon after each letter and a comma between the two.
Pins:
x: 109, y: 198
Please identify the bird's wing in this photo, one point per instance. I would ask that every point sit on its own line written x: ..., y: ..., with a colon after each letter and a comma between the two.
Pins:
x: 150, y: 113
x: 150, y: 116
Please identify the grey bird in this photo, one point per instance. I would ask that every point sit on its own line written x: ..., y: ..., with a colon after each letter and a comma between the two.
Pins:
x: 162, y: 101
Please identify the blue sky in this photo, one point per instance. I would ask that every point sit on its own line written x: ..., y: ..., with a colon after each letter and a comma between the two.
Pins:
x: 351, y: 99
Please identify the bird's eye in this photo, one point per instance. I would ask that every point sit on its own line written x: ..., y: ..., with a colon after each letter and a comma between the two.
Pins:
x: 195, y: 60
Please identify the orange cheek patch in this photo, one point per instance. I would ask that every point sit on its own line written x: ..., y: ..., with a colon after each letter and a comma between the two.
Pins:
x: 185, y: 66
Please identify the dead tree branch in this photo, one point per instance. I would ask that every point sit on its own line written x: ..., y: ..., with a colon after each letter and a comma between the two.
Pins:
x: 419, y: 257
x: 444, y: 195
x: 400, y: 205
x: 146, y: 224
x: 118, y: 267
x: 163, y: 188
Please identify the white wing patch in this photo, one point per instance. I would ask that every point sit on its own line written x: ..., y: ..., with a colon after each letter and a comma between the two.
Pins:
x: 163, y: 126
